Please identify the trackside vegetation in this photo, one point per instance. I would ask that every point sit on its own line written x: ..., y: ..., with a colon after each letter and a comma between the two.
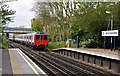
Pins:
x: 67, y: 20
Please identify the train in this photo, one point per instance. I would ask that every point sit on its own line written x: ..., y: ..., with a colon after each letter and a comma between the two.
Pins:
x: 35, y: 40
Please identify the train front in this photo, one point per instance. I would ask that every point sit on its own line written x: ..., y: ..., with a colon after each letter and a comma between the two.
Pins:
x: 41, y: 40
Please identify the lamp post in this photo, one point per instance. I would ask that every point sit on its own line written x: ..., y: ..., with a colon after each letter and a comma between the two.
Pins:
x: 110, y: 12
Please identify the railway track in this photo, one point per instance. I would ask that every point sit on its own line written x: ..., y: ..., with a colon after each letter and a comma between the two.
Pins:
x: 55, y: 64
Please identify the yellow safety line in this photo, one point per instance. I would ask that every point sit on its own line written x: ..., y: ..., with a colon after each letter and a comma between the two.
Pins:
x: 29, y: 64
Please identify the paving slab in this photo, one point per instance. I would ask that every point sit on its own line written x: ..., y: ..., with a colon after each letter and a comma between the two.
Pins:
x: 6, y: 64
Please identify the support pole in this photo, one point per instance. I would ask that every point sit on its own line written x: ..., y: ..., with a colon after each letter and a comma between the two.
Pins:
x: 114, y: 43
x: 111, y: 28
x: 104, y: 42
x: 77, y: 41
x: 111, y: 44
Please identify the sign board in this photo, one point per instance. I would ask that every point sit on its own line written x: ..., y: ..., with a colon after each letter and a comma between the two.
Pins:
x: 110, y: 33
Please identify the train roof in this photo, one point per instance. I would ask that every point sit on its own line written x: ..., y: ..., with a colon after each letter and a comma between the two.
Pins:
x: 35, y: 33
x: 41, y: 33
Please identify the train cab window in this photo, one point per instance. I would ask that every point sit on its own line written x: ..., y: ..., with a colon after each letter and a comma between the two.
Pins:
x: 37, y: 37
x: 45, y: 37
x: 41, y: 37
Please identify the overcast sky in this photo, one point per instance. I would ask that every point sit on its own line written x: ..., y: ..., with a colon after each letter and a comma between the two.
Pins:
x: 23, y: 14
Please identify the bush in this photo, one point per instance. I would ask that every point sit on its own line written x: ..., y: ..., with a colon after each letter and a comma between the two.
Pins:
x: 75, y: 45
x: 55, y: 45
x: 4, y: 40
x: 5, y: 45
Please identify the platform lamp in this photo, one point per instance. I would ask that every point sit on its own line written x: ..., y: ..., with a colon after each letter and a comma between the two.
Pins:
x: 110, y: 12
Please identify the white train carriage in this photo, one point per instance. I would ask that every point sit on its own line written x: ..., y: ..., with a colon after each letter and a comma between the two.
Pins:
x: 39, y: 39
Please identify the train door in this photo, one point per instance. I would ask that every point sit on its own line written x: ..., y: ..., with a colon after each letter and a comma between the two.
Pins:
x: 45, y: 39
x: 28, y: 39
x: 37, y: 40
x: 42, y: 40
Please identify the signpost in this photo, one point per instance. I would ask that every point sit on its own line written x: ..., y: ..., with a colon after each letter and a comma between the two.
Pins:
x: 110, y: 33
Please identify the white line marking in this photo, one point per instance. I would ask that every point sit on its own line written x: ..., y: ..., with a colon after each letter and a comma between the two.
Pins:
x: 33, y: 63
x: 28, y: 63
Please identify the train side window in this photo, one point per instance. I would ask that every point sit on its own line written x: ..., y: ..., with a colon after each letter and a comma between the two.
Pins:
x: 37, y: 37
x: 45, y: 37
x: 31, y: 37
x: 41, y: 37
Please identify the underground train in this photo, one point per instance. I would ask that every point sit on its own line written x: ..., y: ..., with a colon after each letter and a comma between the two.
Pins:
x: 35, y: 40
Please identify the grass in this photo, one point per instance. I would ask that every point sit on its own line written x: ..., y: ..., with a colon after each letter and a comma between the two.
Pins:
x: 55, y: 45
x: 75, y: 45
x: 62, y: 44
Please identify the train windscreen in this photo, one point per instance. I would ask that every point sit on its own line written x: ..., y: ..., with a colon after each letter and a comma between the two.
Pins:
x: 37, y: 37
x: 41, y: 37
x: 45, y: 37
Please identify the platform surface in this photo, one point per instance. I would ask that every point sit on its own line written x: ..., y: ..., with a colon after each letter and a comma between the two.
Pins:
x: 15, y: 62
x: 97, y: 52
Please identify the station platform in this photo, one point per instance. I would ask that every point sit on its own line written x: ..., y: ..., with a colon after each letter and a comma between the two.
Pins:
x: 103, y: 59
x: 15, y: 62
x: 98, y: 52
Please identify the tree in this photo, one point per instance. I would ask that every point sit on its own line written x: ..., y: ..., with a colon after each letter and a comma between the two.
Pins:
x: 5, y: 13
x: 37, y: 26
x: 71, y: 19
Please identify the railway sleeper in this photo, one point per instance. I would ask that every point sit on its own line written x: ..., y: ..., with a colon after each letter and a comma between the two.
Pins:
x: 69, y: 66
x: 46, y: 66
x: 62, y: 68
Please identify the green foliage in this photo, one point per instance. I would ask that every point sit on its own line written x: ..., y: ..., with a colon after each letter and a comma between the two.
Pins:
x: 37, y: 26
x: 55, y: 45
x: 92, y: 21
x: 84, y: 19
x: 75, y: 45
x: 4, y: 40
x: 5, y: 45
x: 5, y: 14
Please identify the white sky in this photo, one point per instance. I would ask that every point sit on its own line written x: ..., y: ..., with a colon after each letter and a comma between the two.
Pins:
x: 23, y: 14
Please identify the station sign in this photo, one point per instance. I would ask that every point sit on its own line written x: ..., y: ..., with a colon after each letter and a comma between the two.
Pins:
x: 110, y: 33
